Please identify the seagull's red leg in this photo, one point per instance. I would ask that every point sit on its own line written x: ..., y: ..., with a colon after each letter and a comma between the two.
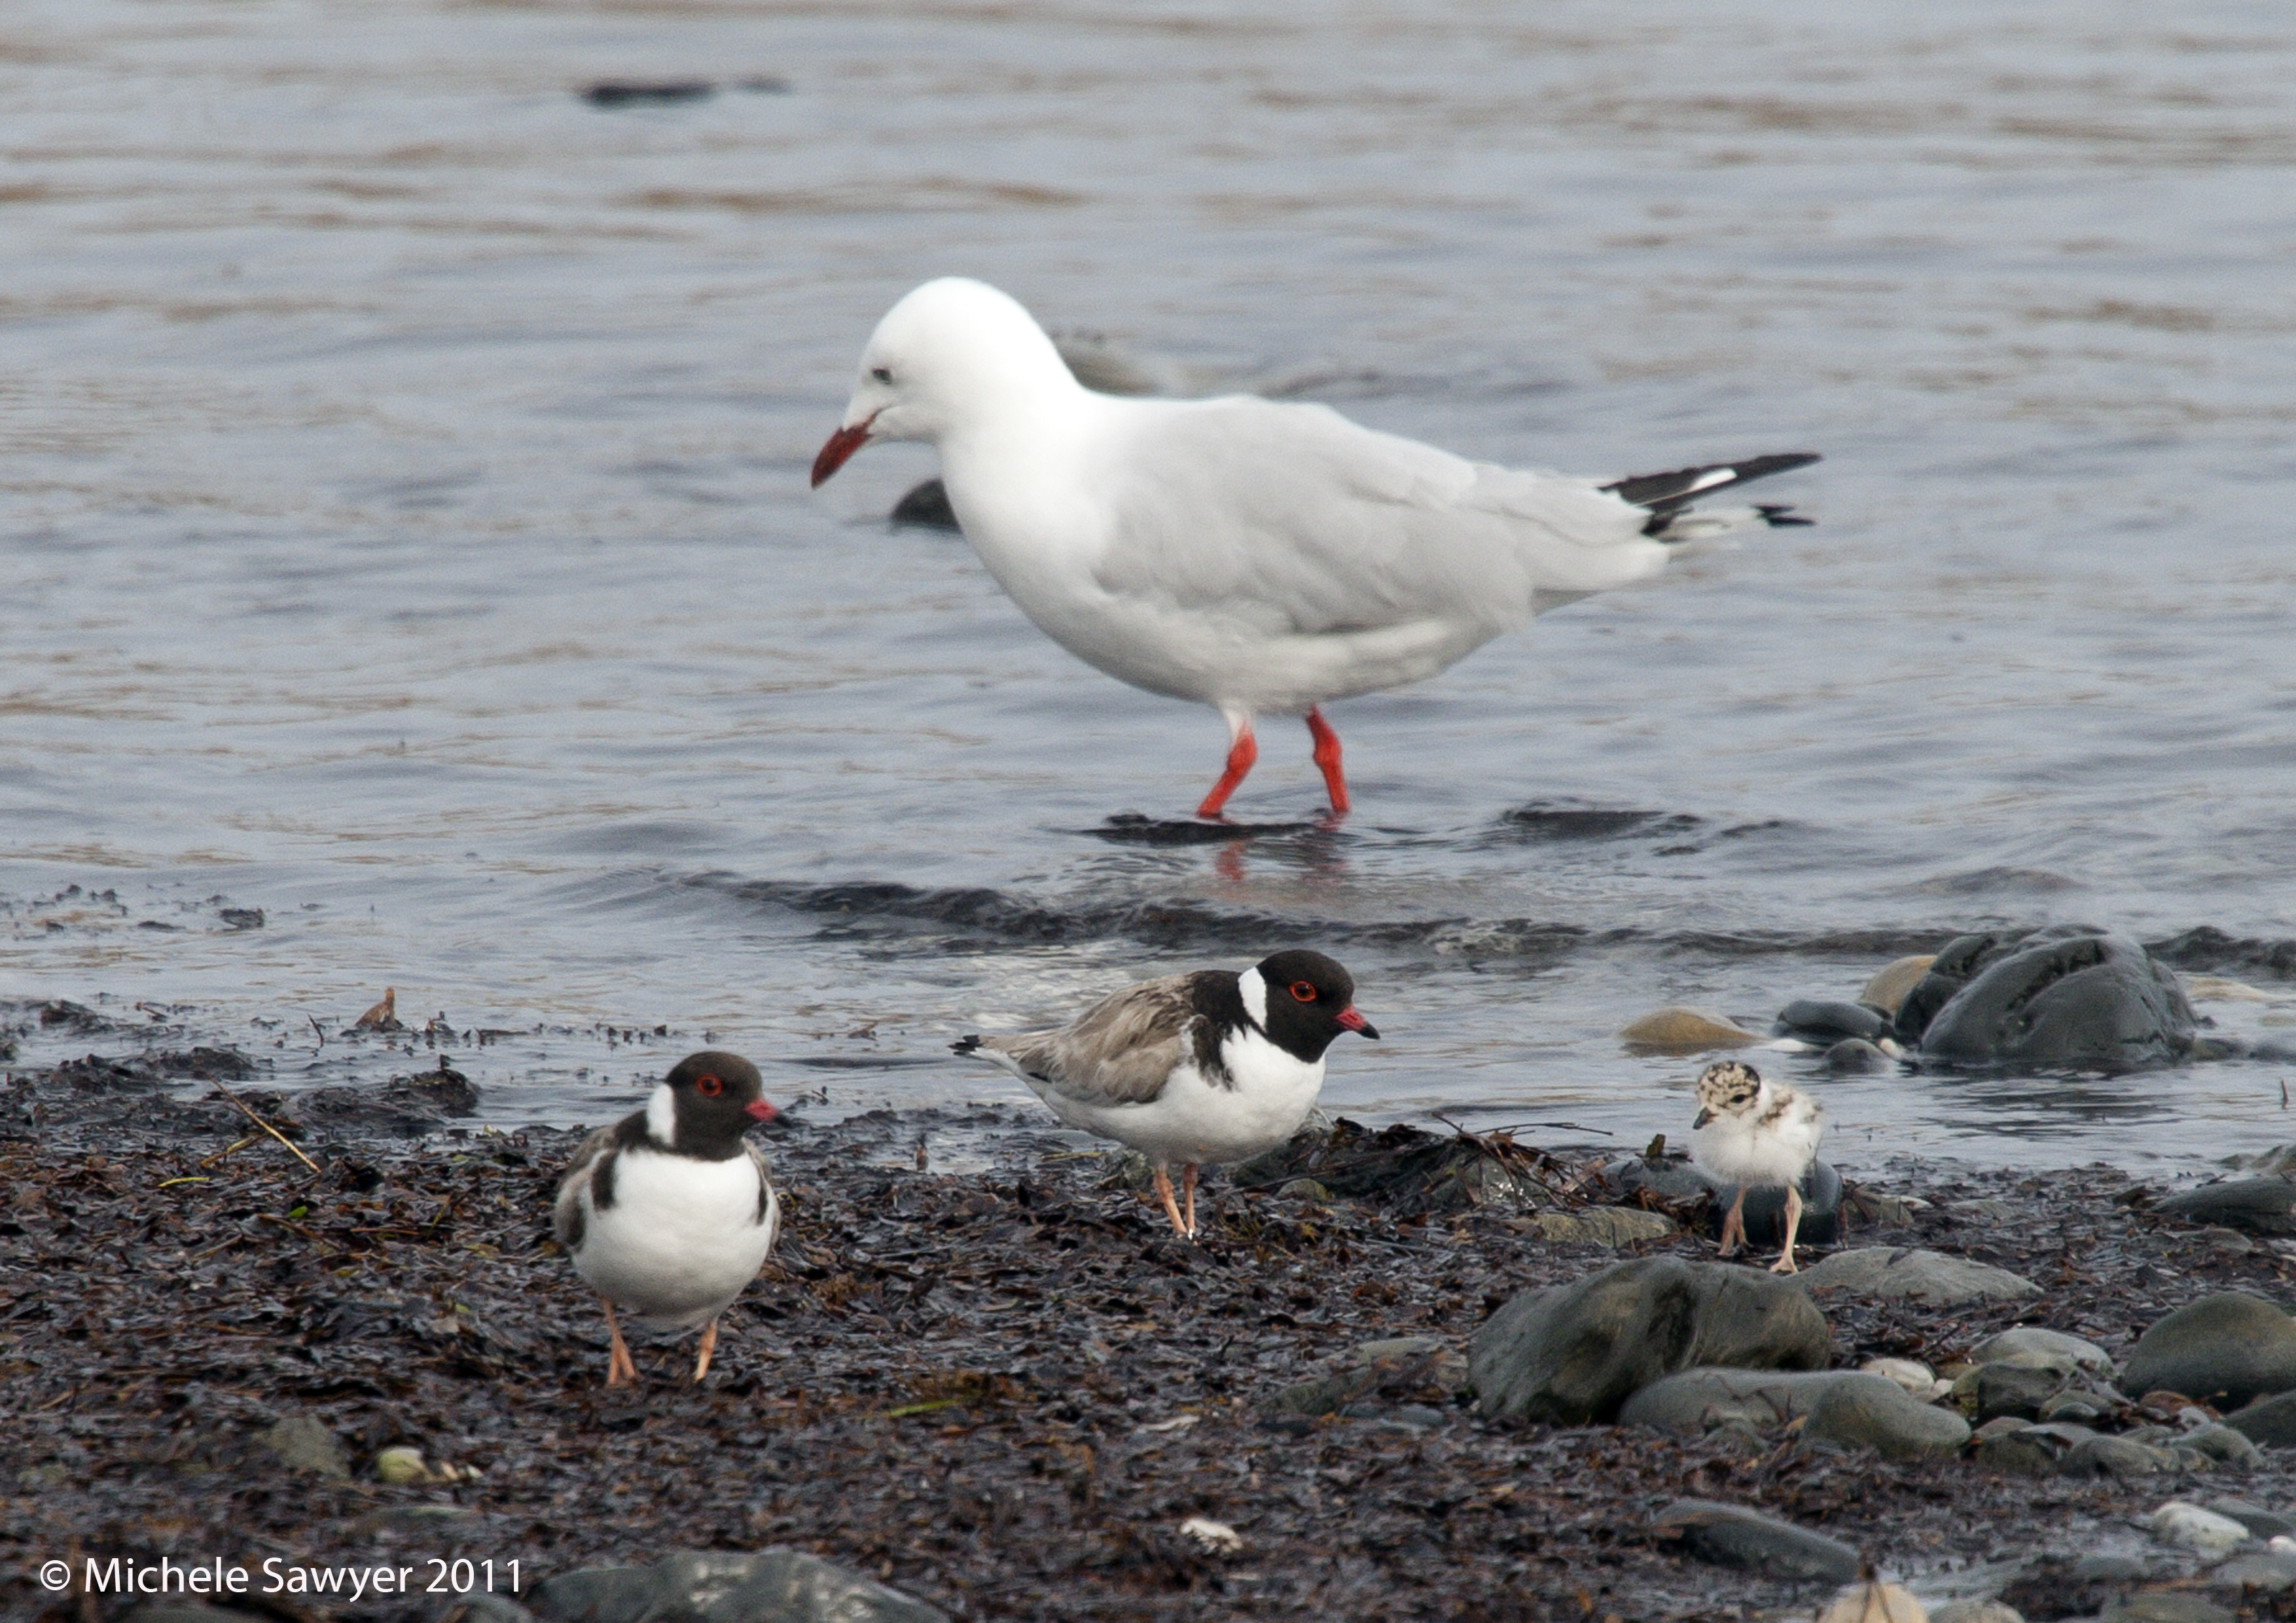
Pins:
x: 709, y: 1346
x: 1241, y: 751
x: 1327, y: 757
x: 1188, y: 1183
x: 1786, y: 1263
x: 620, y: 1370
x: 1172, y: 1207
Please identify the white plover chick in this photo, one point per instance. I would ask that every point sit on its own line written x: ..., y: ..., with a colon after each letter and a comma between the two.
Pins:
x: 1758, y: 1135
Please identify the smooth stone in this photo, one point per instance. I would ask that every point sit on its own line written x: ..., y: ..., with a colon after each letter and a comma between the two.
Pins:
x: 1394, y: 1346
x: 304, y: 1444
x: 2020, y: 1449
x: 2272, y: 1574
x: 1732, y: 1536
x: 1765, y: 1214
x: 1306, y: 1189
x: 2270, y: 1421
x: 2223, y: 1445
x: 1985, y: 1212
x: 1701, y: 1400
x: 2116, y: 1456
x: 2063, y: 996
x: 2255, y: 1205
x: 2026, y: 1339
x: 2260, y: 1522
x: 2279, y: 1160
x: 401, y: 1465
x: 2187, y: 1525
x: 1976, y: 1611
x: 1610, y: 1226
x: 2229, y: 1240
x: 2072, y: 1407
x: 2013, y: 1389
x: 1925, y: 1276
x: 1679, y: 1031
x: 2109, y: 1570
x: 1572, y: 1354
x: 1853, y: 1057
x: 1871, y: 1412
x: 1818, y: 1020
x: 2234, y: 1347
x: 1888, y: 985
x: 2164, y: 1606
x: 1916, y: 1378
x: 777, y: 1586
x: 2002, y: 1425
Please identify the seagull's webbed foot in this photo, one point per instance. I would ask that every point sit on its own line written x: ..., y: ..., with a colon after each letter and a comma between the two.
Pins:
x: 1327, y: 760
x: 621, y: 1369
x: 1171, y: 1206
x: 709, y: 1348
x: 1243, y: 751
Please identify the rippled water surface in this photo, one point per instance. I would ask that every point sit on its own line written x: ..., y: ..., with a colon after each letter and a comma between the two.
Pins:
x: 402, y: 488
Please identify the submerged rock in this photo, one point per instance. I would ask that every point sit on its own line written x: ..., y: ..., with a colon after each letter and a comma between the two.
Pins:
x: 1928, y: 1276
x: 2227, y: 1349
x: 2270, y: 1421
x: 2256, y: 1206
x: 772, y: 1587
x: 1853, y: 1057
x: 1817, y: 1020
x: 1890, y: 984
x: 1732, y: 1536
x: 1572, y: 1354
x: 1679, y: 1031
x: 2065, y: 997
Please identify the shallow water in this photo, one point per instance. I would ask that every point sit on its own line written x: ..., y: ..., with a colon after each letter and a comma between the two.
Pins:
x: 402, y: 488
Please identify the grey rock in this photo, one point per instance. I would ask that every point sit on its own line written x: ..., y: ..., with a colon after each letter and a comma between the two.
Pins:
x: 2116, y: 1456
x: 2030, y: 1340
x: 2260, y: 1522
x: 1987, y: 1212
x: 777, y: 1586
x: 2227, y: 1349
x: 1818, y: 1020
x: 2019, y: 1453
x: 1375, y: 1369
x: 1975, y: 1612
x: 2077, y: 1406
x: 1887, y: 986
x: 1702, y: 1400
x: 2109, y: 1570
x: 1609, y: 1225
x: 1872, y: 1412
x: 1766, y: 1209
x: 2224, y: 1446
x: 2164, y: 1606
x: 1852, y: 1057
x: 1732, y: 1536
x: 1574, y: 1353
x: 304, y: 1444
x: 2273, y: 1573
x: 2255, y: 1205
x: 1926, y: 1276
x: 2270, y: 1421
x: 2015, y: 1390
x: 2064, y: 996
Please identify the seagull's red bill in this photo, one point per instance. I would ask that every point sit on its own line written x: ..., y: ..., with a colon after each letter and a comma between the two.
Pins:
x: 759, y: 1109
x: 1354, y: 1022
x: 840, y: 446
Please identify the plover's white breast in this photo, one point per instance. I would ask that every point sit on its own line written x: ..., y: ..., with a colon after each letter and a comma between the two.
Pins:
x: 682, y: 1237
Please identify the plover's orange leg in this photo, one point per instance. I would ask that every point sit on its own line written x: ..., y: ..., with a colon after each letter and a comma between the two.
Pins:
x: 1188, y: 1183
x: 1172, y: 1207
x: 1327, y: 758
x: 1243, y: 751
x: 1786, y: 1262
x: 620, y: 1370
x: 1733, y: 1226
x: 709, y: 1346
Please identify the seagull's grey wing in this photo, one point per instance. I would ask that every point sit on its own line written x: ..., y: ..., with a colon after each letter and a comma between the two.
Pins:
x: 566, y: 1212
x: 1292, y: 520
x: 769, y: 1208
x: 1118, y: 1051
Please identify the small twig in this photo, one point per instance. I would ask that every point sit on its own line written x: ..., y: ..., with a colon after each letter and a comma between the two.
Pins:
x: 317, y: 1027
x: 266, y: 1126
x: 226, y: 1150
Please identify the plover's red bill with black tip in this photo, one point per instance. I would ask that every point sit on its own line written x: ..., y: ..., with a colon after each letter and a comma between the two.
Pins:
x: 1211, y: 1066
x: 669, y: 1213
x: 1756, y: 1134
x: 1261, y: 557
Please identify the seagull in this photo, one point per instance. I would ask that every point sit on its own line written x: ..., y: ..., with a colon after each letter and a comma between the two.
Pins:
x: 1213, y: 1066
x: 669, y: 1212
x: 1758, y: 1135
x: 1261, y: 557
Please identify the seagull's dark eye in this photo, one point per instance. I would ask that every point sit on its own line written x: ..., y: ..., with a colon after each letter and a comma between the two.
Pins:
x: 1303, y: 990
x: 709, y: 1087
x: 883, y: 375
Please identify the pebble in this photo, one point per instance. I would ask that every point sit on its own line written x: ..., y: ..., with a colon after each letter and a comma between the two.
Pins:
x: 2255, y: 1205
x: 1572, y: 1354
x: 2232, y: 1347
x: 1732, y: 1536
x: 1700, y: 1400
x: 2116, y: 1456
x: 1890, y: 984
x: 2272, y: 1572
x: 2260, y: 1522
x: 304, y: 1444
x: 2030, y: 1340
x: 1869, y: 1412
x: 1916, y: 1377
x: 1925, y: 1276
x: 1679, y: 1031
x: 1815, y: 1020
x: 401, y: 1465
x: 1854, y: 1057
x: 2015, y: 1390
x: 777, y: 1586
x: 2268, y: 1421
x: 2164, y: 1606
x: 2181, y: 1522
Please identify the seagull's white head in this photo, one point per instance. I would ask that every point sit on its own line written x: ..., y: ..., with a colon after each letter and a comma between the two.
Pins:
x: 952, y: 352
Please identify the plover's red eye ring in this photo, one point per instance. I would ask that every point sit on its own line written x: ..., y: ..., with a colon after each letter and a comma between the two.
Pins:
x: 708, y: 1086
x: 1303, y: 990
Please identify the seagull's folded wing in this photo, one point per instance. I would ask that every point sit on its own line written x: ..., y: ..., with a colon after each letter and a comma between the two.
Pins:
x: 1303, y: 522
